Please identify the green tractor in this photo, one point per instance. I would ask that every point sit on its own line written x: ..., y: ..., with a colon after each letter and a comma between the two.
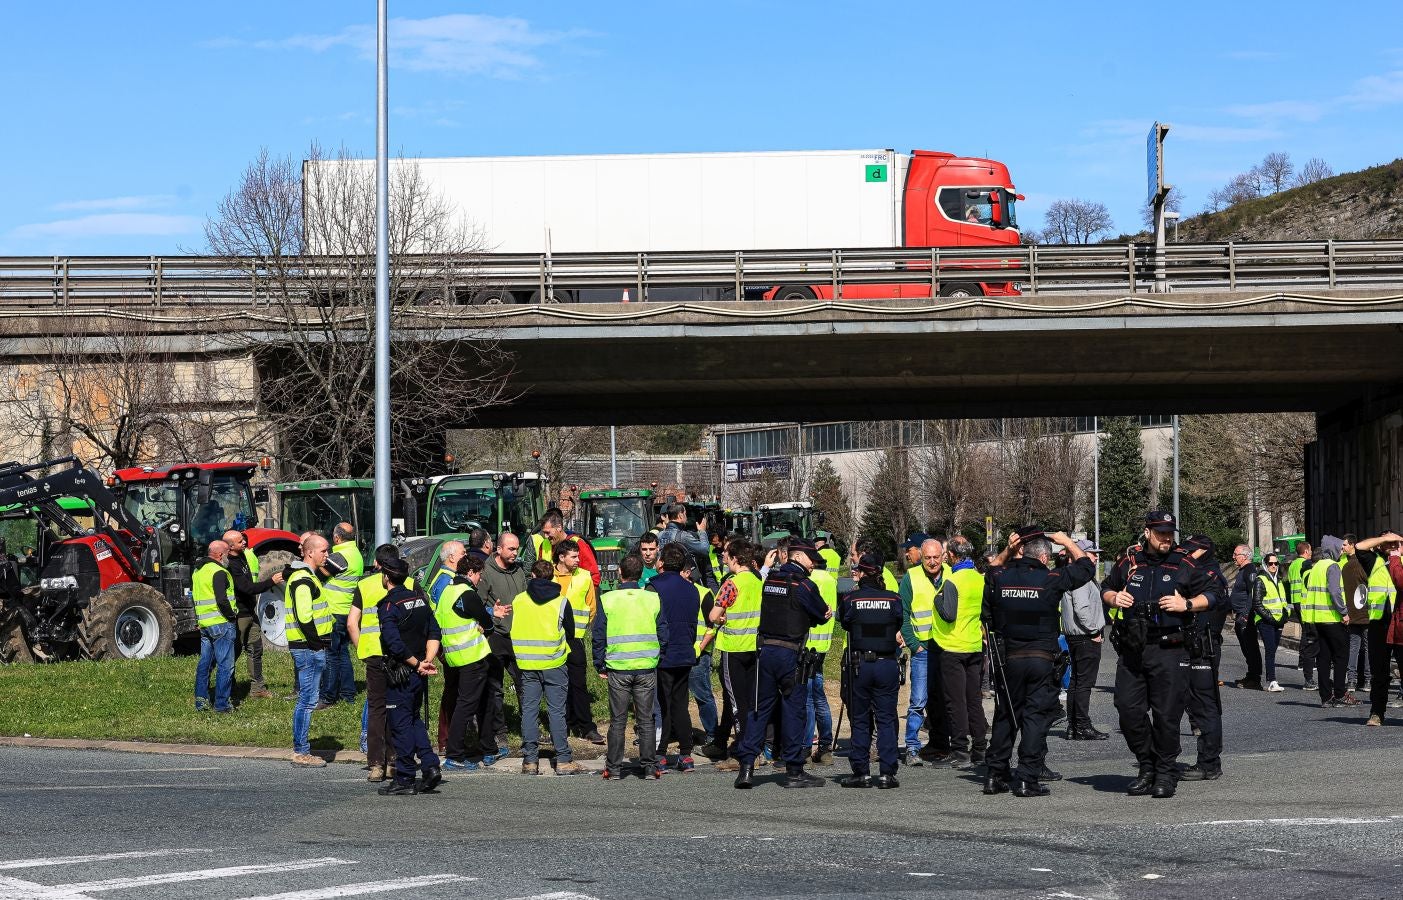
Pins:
x: 791, y: 519
x: 447, y: 507
x: 320, y: 505
x: 614, y: 520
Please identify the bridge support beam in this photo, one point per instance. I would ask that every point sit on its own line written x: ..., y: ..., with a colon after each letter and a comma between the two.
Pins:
x: 1354, y: 469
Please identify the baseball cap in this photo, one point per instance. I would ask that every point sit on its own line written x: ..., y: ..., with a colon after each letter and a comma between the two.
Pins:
x: 1161, y: 520
x: 915, y: 539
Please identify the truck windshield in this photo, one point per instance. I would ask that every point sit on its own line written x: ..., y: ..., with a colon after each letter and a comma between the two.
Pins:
x: 461, y: 508
x: 318, y: 511
x: 230, y: 506
x: 793, y: 521
x: 617, y: 517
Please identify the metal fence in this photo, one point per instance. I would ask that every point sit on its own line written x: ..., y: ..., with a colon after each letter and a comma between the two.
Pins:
x: 1100, y: 268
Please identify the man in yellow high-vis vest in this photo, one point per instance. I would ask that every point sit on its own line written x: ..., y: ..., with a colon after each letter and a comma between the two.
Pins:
x: 212, y: 591
x: 1324, y: 608
x: 463, y: 623
x: 960, y: 636
x: 627, y: 642
x: 307, y: 623
x: 345, y: 566
x: 578, y: 587
x: 363, y: 628
x: 918, y: 589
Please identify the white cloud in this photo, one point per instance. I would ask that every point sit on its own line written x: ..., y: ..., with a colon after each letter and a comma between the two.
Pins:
x: 110, y: 225
x: 138, y: 202
x: 461, y: 43
x: 1223, y: 134
x: 1377, y: 90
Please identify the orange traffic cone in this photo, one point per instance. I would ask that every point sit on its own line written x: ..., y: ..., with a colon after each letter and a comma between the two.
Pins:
x: 625, y: 300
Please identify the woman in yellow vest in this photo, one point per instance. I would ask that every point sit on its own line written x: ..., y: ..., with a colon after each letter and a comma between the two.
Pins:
x: 1271, y: 610
x: 463, y: 623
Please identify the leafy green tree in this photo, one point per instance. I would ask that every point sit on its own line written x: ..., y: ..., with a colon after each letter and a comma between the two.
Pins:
x: 829, y: 498
x: 1213, y: 474
x: 1125, y: 484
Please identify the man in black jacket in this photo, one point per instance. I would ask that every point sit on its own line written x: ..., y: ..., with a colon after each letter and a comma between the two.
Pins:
x: 243, y: 568
x: 1240, y: 596
x: 410, y: 637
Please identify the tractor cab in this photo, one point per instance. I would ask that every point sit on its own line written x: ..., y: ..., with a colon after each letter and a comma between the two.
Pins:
x: 614, y: 520
x: 322, y: 505
x: 794, y: 519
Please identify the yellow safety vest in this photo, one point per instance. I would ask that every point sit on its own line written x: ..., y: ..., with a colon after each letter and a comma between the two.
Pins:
x: 538, y: 640
x: 1274, y: 596
x: 312, y: 607
x: 832, y: 560
x: 1295, y: 582
x: 963, y: 635
x: 207, y: 612
x: 252, y: 559
x: 1381, y: 590
x: 742, y: 625
x: 631, y: 629
x: 581, y: 581
x: 923, y: 601
x: 462, y: 639
x: 702, y: 623
x: 543, y: 547
x: 340, y: 588
x: 372, y: 591
x: 821, y: 636
x: 889, y: 581
x: 1318, y: 609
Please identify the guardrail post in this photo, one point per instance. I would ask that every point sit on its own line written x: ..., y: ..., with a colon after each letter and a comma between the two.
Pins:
x: 1130, y: 255
x: 158, y: 271
x: 1330, y: 259
x: 934, y: 272
x: 835, y: 262
x: 740, y: 275
x: 1033, y: 267
x: 1232, y: 266
x: 642, y: 278
x: 541, y: 278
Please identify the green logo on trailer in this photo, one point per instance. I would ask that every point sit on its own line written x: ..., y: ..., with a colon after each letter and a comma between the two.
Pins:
x: 877, y: 173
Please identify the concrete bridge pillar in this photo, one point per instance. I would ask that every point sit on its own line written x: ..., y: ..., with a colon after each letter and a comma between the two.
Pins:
x: 1354, y: 469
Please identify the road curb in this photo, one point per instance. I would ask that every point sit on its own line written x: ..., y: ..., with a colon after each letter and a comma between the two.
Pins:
x: 210, y: 750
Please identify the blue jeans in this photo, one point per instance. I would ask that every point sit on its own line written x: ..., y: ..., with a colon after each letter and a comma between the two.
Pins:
x: 553, y: 684
x: 310, y: 664
x: 818, y: 713
x: 916, y: 706
x: 700, y: 685
x: 217, y: 652
x: 1271, y: 639
x: 339, y: 678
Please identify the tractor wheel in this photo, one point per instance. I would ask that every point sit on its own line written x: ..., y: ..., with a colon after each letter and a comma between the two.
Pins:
x: 14, y: 649
x: 128, y: 621
x: 270, y: 602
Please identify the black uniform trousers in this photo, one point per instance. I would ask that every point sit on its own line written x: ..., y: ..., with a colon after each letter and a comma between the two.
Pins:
x: 1305, y: 655
x: 937, y: 712
x: 1086, y: 662
x: 872, y: 695
x: 1246, y: 631
x: 1205, y: 707
x: 578, y: 717
x: 677, y: 717
x: 408, y: 731
x: 738, y: 672
x: 1331, y: 658
x: 1026, y: 682
x: 1381, y: 655
x: 1150, y: 698
x: 777, y: 691
x: 465, y: 690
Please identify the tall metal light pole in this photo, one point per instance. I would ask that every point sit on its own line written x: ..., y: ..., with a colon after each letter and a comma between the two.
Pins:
x: 382, y: 278
x: 1176, y: 469
x: 613, y: 459
x: 1096, y: 483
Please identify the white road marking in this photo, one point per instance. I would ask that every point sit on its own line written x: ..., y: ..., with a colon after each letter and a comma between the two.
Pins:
x: 1305, y: 821
x: 923, y: 874
x: 1151, y: 876
x: 1063, y: 895
x: 15, y: 889
x: 1039, y: 870
x: 558, y: 895
x: 113, y: 884
x: 1268, y: 850
x: 370, y: 887
x: 135, y: 771
x: 94, y: 857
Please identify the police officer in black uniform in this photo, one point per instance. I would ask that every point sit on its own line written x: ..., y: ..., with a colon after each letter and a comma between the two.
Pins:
x: 872, y: 618
x: 410, y: 637
x: 790, y: 605
x: 1151, y: 629
x: 1022, y: 602
x: 1200, y: 575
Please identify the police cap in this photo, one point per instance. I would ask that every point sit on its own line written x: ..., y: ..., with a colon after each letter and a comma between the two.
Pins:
x: 1029, y: 532
x: 395, y: 567
x: 805, y: 545
x: 1160, y: 520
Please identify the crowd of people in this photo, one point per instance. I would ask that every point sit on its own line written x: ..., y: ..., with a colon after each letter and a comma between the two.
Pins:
x: 1019, y: 624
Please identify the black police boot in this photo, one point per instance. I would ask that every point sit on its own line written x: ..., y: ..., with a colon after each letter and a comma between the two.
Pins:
x: 1142, y: 785
x: 995, y: 784
x: 1163, y: 789
x: 801, y: 779
x: 1023, y: 788
x: 1087, y: 733
x: 395, y: 788
x: 432, y: 779
x: 745, y: 776
x: 1198, y: 773
x: 855, y: 781
x: 887, y: 782
x: 1048, y: 775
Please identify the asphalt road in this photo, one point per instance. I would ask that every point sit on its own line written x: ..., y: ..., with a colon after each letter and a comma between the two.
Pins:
x: 1309, y: 806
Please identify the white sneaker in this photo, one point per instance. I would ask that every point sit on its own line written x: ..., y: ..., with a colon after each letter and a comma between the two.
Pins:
x: 1273, y: 687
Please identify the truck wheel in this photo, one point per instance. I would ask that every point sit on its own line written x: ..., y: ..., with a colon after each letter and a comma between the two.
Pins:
x: 961, y: 290
x: 14, y: 649
x: 493, y: 297
x: 795, y: 292
x: 270, y: 602
x: 558, y: 295
x: 128, y: 621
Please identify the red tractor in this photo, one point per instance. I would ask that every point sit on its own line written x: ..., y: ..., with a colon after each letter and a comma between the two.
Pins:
x: 120, y: 586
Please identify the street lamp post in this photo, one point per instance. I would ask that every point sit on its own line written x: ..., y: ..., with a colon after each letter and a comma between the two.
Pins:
x: 1174, y: 217
x: 382, y: 278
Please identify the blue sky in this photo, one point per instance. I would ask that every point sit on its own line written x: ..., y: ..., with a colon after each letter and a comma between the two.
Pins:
x: 128, y: 122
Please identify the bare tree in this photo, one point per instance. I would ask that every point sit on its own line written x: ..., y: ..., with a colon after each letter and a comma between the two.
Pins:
x: 1315, y: 169
x: 1243, y: 187
x: 1030, y: 236
x: 1218, y: 199
x: 1173, y: 202
x: 126, y: 396
x: 317, y: 380
x: 551, y: 451
x: 957, y: 474
x: 1276, y: 171
x: 1076, y: 221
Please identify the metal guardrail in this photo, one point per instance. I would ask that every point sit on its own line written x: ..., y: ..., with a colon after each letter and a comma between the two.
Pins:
x: 160, y: 281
